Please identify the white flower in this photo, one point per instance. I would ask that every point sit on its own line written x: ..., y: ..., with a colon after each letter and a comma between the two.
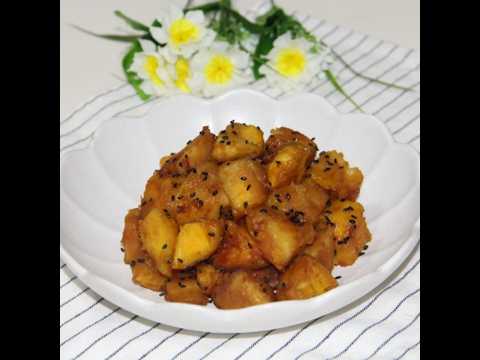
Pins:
x: 183, y: 34
x: 181, y: 74
x: 292, y: 63
x: 150, y: 66
x: 219, y: 68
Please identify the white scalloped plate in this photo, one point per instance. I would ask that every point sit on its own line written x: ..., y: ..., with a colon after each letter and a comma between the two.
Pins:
x: 100, y: 183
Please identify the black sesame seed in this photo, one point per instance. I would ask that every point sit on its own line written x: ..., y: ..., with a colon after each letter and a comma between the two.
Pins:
x: 194, y: 170
x: 192, y: 194
x: 365, y: 247
x: 180, y: 197
x: 212, y: 234
x: 249, y: 245
x: 173, y: 198
x: 161, y: 293
x: 326, y: 169
x: 313, y: 139
x: 246, y: 141
x: 122, y: 249
x: 245, y: 204
x: 351, y: 221
x: 243, y: 178
x: 353, y: 216
x: 348, y: 209
x: 132, y: 263
x: 249, y: 186
x: 316, y: 161
x: 361, y: 253
x: 164, y: 246
x: 189, y: 142
x: 229, y: 142
x: 278, y: 162
x: 222, y: 141
x: 180, y: 260
x: 215, y: 192
x: 171, y: 154
x: 338, y: 277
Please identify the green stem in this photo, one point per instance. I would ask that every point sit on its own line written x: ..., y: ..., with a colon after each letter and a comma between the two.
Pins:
x: 339, y: 88
x: 123, y: 38
x: 367, y: 77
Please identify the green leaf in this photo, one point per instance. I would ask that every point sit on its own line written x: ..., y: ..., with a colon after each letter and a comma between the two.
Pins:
x: 247, y: 24
x: 131, y: 76
x: 156, y: 23
x: 264, y: 46
x: 123, y: 38
x: 339, y: 88
x: 136, y: 25
x: 262, y: 19
x: 206, y: 8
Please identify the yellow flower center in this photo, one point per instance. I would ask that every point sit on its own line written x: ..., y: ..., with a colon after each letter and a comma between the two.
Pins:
x: 219, y: 70
x: 290, y: 62
x: 151, y: 66
x: 183, y: 31
x: 182, y: 70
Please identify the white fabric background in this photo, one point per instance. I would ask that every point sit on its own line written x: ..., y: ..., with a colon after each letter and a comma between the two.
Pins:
x: 382, y: 325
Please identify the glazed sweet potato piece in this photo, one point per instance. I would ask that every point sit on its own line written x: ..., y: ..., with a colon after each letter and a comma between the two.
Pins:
x: 305, y: 278
x: 197, y: 152
x: 269, y: 276
x: 131, y: 243
x: 238, y: 250
x: 307, y: 199
x: 240, y: 289
x: 200, y: 195
x: 207, y: 277
x: 158, y: 232
x: 280, y: 137
x: 185, y: 289
x: 289, y: 164
x: 159, y: 193
x: 147, y: 276
x: 323, y: 248
x: 332, y: 172
x: 245, y: 184
x: 278, y: 237
x: 238, y: 141
x: 349, y: 229
x: 196, y: 242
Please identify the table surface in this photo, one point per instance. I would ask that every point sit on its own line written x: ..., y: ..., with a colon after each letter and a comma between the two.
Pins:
x: 90, y: 65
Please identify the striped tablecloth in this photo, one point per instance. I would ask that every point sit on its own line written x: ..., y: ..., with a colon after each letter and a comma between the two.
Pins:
x: 382, y: 325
